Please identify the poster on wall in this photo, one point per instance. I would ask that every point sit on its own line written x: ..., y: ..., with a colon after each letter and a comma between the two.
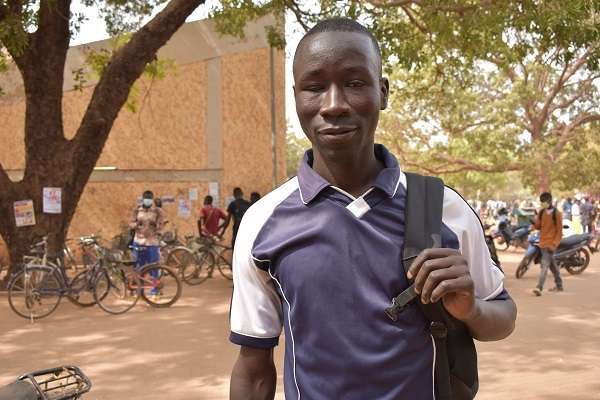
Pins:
x: 185, y: 208
x: 193, y: 195
x: 24, y: 214
x: 213, y: 190
x: 52, y: 200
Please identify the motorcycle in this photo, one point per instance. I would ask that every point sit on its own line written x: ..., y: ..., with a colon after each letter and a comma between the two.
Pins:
x: 507, y: 235
x: 571, y: 254
x: 62, y: 383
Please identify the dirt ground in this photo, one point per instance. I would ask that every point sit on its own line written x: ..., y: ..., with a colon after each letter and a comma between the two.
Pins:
x: 183, y: 353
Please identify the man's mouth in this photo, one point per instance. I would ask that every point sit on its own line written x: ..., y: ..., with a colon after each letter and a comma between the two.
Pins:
x: 336, y: 130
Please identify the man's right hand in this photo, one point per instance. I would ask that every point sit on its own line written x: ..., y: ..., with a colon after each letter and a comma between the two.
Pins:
x: 254, y: 376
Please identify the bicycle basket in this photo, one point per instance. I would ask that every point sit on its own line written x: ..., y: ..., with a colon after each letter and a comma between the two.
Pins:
x: 62, y: 383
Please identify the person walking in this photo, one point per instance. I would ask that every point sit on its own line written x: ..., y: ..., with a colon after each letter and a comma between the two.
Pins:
x: 587, y: 215
x: 321, y: 256
x: 566, y: 208
x: 549, y: 223
x: 236, y: 210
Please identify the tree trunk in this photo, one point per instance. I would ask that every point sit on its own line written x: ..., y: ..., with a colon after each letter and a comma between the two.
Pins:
x: 543, y: 179
x: 52, y: 160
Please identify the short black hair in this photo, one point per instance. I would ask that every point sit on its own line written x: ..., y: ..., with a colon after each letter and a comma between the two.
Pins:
x: 208, y: 199
x: 546, y: 197
x: 340, y: 24
x: 148, y: 194
x: 237, y: 192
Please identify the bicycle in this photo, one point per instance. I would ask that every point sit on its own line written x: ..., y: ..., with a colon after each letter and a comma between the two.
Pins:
x: 158, y: 285
x: 197, y: 261
x: 37, y: 289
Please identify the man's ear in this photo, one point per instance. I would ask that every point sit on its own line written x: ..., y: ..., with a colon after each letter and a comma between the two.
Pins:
x: 385, y: 92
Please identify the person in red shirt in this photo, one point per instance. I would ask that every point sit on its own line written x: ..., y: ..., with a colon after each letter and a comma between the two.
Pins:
x: 210, y: 217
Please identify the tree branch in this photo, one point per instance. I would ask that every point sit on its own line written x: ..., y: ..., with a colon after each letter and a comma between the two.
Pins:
x: 565, y: 133
x: 422, y: 28
x: 295, y: 8
x: 4, y: 179
x: 125, y: 67
x: 568, y: 71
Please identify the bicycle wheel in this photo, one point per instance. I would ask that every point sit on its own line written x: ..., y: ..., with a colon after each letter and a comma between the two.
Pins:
x: 178, y: 258
x: 82, y: 288
x: 115, y: 292
x: 200, y: 268
x: 224, y: 263
x: 34, y: 292
x: 161, y: 285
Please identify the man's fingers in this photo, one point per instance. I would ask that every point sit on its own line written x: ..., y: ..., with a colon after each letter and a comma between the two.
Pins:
x: 428, y: 254
x: 438, y: 277
x: 461, y: 284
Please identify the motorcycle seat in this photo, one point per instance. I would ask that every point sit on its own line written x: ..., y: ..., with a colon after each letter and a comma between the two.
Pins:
x: 573, y: 240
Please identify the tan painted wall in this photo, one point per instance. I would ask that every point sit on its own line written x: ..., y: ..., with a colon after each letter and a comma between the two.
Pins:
x: 169, y: 133
x: 247, y: 132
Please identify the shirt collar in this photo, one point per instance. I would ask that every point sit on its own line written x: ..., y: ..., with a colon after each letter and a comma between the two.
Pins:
x: 311, y: 183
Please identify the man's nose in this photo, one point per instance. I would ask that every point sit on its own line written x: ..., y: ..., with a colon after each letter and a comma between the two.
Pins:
x: 334, y: 102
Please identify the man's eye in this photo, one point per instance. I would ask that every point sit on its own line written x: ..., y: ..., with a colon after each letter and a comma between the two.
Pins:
x: 313, y: 88
x: 356, y: 83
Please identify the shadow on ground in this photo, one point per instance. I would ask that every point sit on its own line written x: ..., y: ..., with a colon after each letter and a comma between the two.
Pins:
x: 183, y: 353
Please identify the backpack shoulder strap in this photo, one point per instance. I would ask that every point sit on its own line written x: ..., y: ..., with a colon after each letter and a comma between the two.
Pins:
x: 423, y: 229
x: 424, y: 205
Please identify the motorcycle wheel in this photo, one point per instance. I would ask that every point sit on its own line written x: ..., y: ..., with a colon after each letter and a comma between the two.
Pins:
x: 583, y: 258
x: 523, y: 267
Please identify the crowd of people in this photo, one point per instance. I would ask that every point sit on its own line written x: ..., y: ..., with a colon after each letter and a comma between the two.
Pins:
x: 582, y: 211
x: 148, y: 220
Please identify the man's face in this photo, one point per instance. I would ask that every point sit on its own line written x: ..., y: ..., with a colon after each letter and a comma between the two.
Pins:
x: 339, y: 92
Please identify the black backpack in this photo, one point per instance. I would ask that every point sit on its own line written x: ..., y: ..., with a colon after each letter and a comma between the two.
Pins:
x: 456, y: 375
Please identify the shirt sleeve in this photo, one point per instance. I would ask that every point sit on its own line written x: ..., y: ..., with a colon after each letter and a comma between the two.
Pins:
x: 462, y: 220
x: 256, y: 311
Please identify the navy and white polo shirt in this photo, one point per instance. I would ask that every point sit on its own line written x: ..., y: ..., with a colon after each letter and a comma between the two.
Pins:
x: 323, y: 265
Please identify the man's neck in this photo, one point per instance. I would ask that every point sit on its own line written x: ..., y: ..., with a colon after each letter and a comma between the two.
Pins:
x: 354, y: 175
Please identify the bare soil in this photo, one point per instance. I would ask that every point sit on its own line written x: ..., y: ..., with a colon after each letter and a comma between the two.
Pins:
x: 183, y: 352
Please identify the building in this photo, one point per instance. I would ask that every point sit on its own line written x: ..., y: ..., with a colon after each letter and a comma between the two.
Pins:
x: 216, y: 121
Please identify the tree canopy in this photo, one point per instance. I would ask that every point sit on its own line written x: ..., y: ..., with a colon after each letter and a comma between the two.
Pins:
x: 479, y: 87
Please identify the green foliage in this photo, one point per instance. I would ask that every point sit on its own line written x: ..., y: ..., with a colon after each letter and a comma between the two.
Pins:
x: 295, y: 148
x: 231, y: 17
x: 97, y: 61
x: 579, y: 166
x: 123, y: 16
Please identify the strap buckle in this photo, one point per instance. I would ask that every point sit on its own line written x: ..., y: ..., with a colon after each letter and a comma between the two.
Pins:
x: 400, y: 302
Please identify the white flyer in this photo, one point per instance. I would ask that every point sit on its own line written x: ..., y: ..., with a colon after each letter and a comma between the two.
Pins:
x: 52, y: 200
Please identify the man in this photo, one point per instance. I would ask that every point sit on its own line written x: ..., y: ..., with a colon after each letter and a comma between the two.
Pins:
x: 321, y: 255
x: 236, y: 210
x: 521, y: 218
x: 210, y: 217
x: 147, y: 221
x: 254, y: 197
x: 549, y: 223
x: 587, y: 215
x: 566, y: 207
